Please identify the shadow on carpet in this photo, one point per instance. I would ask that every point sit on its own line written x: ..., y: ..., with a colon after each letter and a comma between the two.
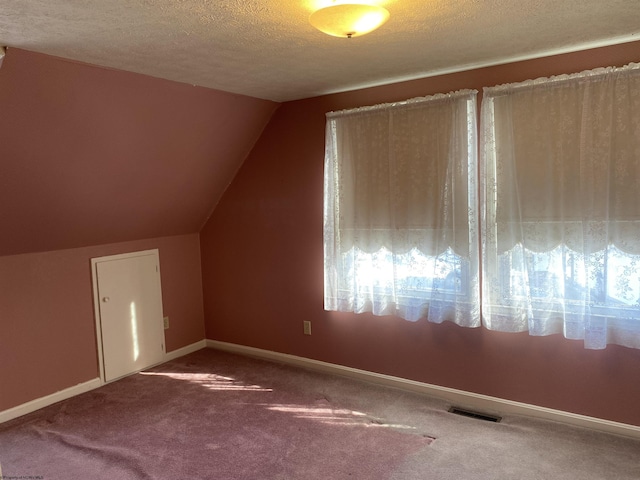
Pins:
x: 215, y: 415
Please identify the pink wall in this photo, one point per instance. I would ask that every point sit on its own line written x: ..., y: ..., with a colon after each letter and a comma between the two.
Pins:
x: 90, y: 156
x: 262, y: 272
x: 47, y: 323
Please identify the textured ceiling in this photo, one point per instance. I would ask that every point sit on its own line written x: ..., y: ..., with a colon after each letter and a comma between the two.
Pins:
x: 268, y: 49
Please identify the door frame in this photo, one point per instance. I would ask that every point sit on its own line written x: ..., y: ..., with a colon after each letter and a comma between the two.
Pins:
x: 96, y: 298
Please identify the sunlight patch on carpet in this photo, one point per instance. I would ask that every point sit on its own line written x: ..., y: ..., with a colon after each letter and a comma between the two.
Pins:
x: 333, y: 416
x: 211, y: 381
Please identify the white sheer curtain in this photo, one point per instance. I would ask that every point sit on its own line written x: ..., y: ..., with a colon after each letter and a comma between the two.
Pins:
x: 400, y: 209
x: 560, y: 166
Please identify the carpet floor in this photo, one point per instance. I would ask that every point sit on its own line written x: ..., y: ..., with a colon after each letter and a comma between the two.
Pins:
x: 215, y: 415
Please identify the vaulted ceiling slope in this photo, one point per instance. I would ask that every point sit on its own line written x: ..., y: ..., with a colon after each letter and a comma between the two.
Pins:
x: 92, y: 156
x: 268, y: 49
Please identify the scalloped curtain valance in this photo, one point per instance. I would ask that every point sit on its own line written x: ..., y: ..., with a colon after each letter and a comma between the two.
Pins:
x: 567, y: 160
x: 559, y: 204
x: 400, y: 223
x: 560, y: 174
x: 401, y: 174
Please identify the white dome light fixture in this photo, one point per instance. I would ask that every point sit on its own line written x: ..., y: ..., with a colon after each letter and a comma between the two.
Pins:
x: 349, y: 19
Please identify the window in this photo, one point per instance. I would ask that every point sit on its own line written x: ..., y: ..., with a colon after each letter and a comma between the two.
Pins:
x: 561, y: 206
x: 400, y: 215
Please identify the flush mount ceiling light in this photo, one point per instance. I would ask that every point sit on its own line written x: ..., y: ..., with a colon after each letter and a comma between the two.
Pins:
x: 349, y: 19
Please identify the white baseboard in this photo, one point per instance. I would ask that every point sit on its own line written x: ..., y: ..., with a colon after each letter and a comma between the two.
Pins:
x: 459, y: 398
x: 181, y: 352
x: 472, y: 401
x: 42, y: 402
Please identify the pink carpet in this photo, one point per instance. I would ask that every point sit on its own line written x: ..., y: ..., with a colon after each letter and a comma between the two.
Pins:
x: 213, y: 415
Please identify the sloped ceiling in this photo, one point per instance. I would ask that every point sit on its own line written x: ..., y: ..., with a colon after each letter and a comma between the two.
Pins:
x: 268, y: 49
x: 92, y: 156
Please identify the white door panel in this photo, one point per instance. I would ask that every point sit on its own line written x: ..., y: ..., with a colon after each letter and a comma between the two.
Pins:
x: 129, y: 299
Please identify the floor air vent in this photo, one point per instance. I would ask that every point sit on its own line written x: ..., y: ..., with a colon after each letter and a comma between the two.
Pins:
x: 477, y: 415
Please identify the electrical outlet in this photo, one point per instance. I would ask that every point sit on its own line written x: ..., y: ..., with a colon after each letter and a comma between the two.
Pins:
x: 166, y: 323
x: 307, y: 327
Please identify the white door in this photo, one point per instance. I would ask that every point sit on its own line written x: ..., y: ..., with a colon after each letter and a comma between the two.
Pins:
x: 128, y: 299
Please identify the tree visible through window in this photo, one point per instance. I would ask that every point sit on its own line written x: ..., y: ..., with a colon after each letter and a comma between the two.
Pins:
x: 561, y: 237
x: 400, y: 210
x: 560, y: 208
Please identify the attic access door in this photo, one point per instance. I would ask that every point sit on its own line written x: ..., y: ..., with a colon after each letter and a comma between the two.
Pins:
x: 128, y: 304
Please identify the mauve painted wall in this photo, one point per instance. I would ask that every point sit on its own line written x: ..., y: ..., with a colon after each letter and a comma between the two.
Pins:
x: 47, y: 323
x: 90, y: 156
x: 262, y: 272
